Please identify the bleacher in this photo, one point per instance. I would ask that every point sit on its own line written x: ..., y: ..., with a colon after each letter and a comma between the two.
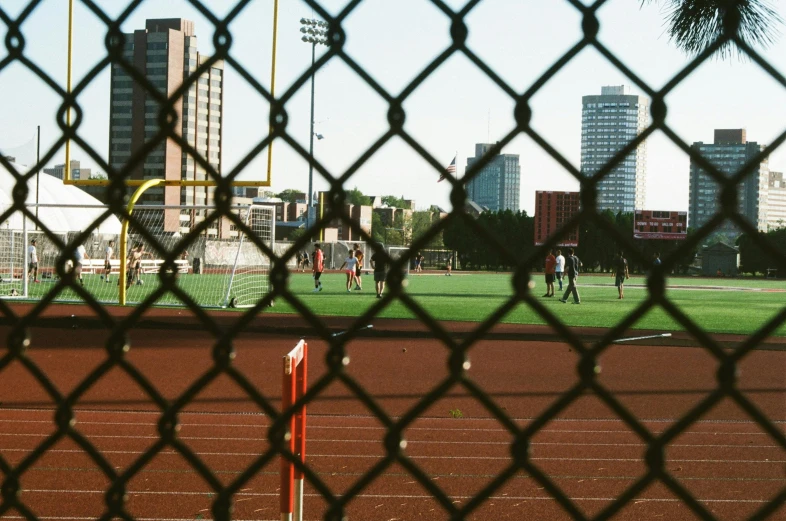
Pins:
x: 147, y: 266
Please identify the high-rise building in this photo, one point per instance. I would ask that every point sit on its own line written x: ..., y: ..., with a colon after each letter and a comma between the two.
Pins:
x: 609, y: 122
x: 728, y: 154
x: 497, y: 185
x: 165, y: 52
x: 776, y: 202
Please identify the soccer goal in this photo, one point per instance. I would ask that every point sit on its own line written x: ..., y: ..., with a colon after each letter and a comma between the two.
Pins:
x: 249, y: 280
x: 12, y: 262
x: 29, y: 257
x: 396, y: 252
x: 213, y: 260
x: 221, y: 266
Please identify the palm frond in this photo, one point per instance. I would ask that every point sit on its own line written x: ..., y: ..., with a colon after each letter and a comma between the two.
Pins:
x: 694, y: 25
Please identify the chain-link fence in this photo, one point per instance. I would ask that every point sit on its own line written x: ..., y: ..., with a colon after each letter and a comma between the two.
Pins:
x: 117, y: 344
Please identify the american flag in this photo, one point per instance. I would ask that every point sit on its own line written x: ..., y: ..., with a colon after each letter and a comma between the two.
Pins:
x: 451, y: 169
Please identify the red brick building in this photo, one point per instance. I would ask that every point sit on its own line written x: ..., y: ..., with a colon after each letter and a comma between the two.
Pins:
x: 552, y: 211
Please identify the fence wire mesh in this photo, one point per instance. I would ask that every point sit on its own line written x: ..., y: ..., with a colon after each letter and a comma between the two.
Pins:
x: 457, y: 352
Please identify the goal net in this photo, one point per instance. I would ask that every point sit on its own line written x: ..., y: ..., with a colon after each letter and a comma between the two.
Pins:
x: 213, y: 262
x: 12, y: 261
x: 219, y: 267
x: 249, y: 280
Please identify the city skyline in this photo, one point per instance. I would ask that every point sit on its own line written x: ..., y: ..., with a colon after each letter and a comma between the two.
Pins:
x: 451, y: 111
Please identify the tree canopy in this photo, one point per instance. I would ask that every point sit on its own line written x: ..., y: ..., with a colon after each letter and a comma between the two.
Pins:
x: 289, y: 195
x: 393, y: 201
x: 357, y: 197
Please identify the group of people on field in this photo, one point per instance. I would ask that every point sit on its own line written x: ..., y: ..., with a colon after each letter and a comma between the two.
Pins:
x: 557, y: 267
x: 353, y: 268
x: 135, y: 257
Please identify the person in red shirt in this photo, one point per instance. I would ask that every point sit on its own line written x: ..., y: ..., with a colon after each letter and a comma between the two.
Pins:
x: 551, y: 268
x: 319, y: 266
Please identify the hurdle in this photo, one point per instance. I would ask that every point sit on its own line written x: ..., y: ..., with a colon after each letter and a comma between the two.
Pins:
x: 293, y: 389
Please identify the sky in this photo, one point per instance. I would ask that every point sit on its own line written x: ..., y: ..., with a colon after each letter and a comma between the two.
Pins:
x: 456, y: 107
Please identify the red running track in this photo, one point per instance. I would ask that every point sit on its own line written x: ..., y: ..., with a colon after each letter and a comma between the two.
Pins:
x: 725, y: 460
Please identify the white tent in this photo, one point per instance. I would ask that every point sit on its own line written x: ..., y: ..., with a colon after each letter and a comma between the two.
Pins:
x: 52, y: 191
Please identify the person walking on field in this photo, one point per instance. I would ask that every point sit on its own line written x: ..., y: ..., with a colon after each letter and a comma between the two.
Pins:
x: 80, y: 255
x: 380, y: 264
x: 32, y: 259
x: 109, y: 253
x: 621, y: 274
x: 319, y: 267
x: 551, y: 265
x: 306, y: 263
x: 419, y: 263
x: 359, y: 269
x: 572, y: 264
x: 559, y: 271
x: 349, y: 266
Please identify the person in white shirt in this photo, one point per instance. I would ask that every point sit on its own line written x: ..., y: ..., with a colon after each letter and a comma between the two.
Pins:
x: 349, y: 266
x: 109, y: 254
x: 560, y: 270
x: 32, y: 259
x: 79, y: 255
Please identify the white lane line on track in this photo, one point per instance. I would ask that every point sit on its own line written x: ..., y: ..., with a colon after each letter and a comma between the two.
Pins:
x: 413, y: 457
x: 312, y: 426
x: 393, y: 496
x: 411, y: 441
x: 344, y: 417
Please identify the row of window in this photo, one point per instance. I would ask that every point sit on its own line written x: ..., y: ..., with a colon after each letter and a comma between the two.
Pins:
x: 608, y: 105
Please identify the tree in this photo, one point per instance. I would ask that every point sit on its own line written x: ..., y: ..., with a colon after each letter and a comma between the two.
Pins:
x: 393, y: 201
x: 356, y: 197
x: 97, y: 175
x: 695, y: 24
x: 515, y: 230
x: 290, y: 195
x: 377, y: 228
x: 421, y: 223
x: 296, y: 234
x: 753, y: 259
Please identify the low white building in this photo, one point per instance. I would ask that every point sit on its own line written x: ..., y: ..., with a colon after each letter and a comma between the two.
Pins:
x: 76, y: 212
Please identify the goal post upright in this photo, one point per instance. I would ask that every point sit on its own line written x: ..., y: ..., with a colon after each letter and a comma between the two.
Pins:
x: 295, y: 382
x: 234, y: 265
x: 124, y: 236
x: 26, y: 259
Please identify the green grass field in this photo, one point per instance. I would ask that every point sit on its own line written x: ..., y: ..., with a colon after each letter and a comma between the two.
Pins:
x: 743, y: 306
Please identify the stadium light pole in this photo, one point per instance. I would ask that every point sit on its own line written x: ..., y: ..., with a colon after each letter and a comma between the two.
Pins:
x: 314, y: 32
